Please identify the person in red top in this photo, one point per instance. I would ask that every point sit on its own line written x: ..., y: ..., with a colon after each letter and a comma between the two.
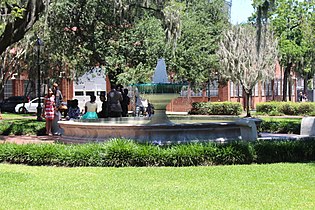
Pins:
x: 49, y: 110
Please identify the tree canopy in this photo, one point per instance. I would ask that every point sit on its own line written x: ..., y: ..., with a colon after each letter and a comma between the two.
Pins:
x: 128, y: 38
x: 241, y: 61
x: 289, y: 21
x: 17, y: 18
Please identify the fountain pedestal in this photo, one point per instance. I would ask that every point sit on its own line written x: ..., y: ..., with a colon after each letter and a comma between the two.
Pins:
x: 160, y: 101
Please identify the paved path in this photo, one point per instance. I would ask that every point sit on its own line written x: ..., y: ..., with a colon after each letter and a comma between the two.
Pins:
x: 270, y: 136
x: 52, y: 139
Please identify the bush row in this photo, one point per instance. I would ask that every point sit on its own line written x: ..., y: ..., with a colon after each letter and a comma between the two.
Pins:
x: 216, y: 108
x: 286, y: 108
x: 280, y: 126
x: 22, y: 127
x: 120, y: 153
x: 33, y: 127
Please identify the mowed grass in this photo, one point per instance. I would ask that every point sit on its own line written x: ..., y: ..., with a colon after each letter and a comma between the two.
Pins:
x: 9, y: 116
x: 270, y: 186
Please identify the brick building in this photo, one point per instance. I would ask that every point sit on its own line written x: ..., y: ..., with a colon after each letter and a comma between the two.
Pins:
x: 263, y: 91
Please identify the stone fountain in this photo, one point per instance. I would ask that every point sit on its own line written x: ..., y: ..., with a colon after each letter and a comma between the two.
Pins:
x: 160, y: 93
x: 159, y: 128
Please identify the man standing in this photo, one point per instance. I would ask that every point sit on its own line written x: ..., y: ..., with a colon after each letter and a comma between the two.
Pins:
x: 104, y: 112
x: 125, y: 102
x: 58, y: 99
x: 114, y: 102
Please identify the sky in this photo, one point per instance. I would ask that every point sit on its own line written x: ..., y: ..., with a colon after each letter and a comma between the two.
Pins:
x: 241, y: 10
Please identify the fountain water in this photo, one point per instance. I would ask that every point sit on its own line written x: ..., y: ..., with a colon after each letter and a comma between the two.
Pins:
x: 159, y: 127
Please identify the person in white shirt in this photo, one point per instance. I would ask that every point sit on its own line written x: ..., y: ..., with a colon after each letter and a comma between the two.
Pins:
x: 90, y: 109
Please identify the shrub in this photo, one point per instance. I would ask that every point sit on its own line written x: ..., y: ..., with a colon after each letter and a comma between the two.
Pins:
x: 199, y: 108
x: 267, y: 107
x: 288, y: 108
x: 22, y: 127
x: 306, y: 108
x: 285, y: 108
x: 281, y: 126
x: 122, y: 152
x: 285, y: 151
x: 216, y: 108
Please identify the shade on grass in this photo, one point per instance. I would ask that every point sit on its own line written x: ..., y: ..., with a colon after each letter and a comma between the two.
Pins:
x: 273, y: 186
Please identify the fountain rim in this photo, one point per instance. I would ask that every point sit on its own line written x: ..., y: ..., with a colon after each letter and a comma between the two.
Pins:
x: 157, y: 84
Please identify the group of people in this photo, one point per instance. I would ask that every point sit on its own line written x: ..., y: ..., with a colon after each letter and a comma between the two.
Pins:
x: 143, y: 107
x: 52, y: 102
x: 303, y: 97
x: 115, y: 104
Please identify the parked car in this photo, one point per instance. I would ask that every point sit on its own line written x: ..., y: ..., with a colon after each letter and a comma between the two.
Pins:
x: 8, y: 105
x: 30, y: 107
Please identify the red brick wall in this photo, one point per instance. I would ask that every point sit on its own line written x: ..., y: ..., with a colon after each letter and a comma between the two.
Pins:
x: 66, y: 88
x: 17, y: 87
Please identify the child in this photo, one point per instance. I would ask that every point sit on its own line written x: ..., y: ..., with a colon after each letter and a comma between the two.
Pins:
x: 74, y: 110
x: 49, y: 110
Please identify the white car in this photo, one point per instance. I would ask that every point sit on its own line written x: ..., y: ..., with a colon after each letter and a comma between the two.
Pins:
x: 30, y: 107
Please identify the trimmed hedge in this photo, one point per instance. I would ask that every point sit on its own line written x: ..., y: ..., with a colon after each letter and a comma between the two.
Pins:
x: 121, y: 153
x: 216, y: 108
x: 286, y: 108
x: 281, y: 126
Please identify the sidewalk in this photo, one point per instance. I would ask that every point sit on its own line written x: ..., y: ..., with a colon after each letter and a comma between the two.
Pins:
x: 29, y: 139
x: 52, y: 139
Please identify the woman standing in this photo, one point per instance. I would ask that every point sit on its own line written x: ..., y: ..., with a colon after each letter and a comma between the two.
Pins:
x: 49, y: 110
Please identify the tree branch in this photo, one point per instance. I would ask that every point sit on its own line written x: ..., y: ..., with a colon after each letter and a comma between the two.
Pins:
x: 15, y: 31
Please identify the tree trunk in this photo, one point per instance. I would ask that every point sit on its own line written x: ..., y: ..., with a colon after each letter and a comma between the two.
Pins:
x: 305, y: 84
x: 247, y: 103
x: 290, y: 88
x: 15, y: 31
x: 285, y: 81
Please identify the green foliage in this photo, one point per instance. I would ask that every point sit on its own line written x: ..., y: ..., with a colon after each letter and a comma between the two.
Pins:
x: 285, y: 108
x: 216, y: 108
x: 128, y: 37
x: 22, y: 127
x: 122, y: 153
x: 266, y: 107
x: 289, y: 22
x: 284, y: 151
x: 194, y: 58
x: 280, y: 126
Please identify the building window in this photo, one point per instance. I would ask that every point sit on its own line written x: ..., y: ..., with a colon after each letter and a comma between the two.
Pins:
x: 89, y: 93
x: 266, y: 90
x: 8, y: 89
x: 197, y: 92
x: 235, y: 90
x: 29, y: 88
x: 256, y: 90
x: 78, y: 93
x: 213, y: 89
x: 278, y: 88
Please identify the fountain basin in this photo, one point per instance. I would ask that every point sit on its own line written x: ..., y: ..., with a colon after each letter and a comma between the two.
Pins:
x: 159, y: 94
x: 97, y: 131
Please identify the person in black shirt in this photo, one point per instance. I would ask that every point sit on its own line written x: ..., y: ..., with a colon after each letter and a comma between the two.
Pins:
x: 104, y: 112
x: 125, y: 102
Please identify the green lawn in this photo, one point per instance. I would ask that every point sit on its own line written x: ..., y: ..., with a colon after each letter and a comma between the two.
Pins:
x: 8, y: 116
x: 270, y: 186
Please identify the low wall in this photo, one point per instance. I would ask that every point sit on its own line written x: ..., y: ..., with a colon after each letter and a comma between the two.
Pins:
x: 82, y: 132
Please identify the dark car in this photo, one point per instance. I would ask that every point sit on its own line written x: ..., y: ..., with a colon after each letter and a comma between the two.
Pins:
x: 8, y: 105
